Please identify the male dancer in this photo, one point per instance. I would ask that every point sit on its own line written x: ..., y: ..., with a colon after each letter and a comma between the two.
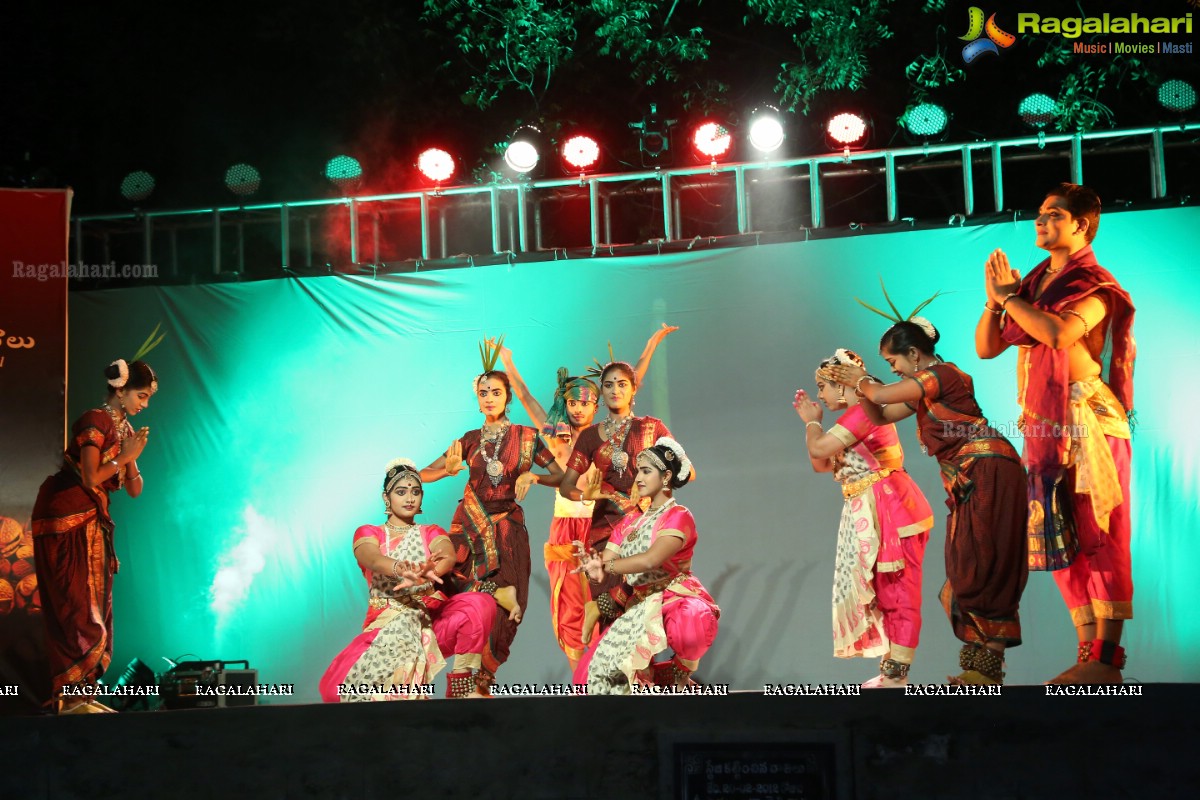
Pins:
x: 1062, y: 317
x: 573, y: 411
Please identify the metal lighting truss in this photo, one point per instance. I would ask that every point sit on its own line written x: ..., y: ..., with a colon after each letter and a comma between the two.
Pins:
x: 515, y: 214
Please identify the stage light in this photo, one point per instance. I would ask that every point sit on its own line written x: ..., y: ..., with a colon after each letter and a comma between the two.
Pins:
x: 654, y: 137
x: 242, y: 179
x: 1038, y: 110
x: 436, y: 164
x: 1176, y: 95
x: 926, y: 120
x: 523, y: 152
x: 344, y: 172
x: 711, y: 141
x: 766, y: 129
x: 137, y: 186
x: 847, y: 130
x: 580, y: 154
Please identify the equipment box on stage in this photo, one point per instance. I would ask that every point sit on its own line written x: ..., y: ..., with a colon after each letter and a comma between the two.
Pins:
x: 209, y: 684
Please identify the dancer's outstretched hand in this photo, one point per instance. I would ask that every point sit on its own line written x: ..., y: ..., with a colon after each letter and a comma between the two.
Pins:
x: 454, y: 459
x: 846, y: 374
x: 1000, y: 279
x: 594, y: 489
x: 524, y: 481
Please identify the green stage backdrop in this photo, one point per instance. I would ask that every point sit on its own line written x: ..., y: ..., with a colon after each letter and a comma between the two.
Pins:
x: 281, y: 402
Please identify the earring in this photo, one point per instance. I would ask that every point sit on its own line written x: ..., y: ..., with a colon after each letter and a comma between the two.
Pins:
x: 387, y: 509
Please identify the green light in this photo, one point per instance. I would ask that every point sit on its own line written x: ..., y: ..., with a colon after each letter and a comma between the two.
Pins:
x: 926, y: 120
x: 344, y: 172
x: 242, y: 179
x: 137, y: 186
x: 1038, y: 110
x: 1177, y: 95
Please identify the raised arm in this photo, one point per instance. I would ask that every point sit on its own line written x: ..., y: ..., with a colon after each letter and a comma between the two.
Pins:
x: 988, y: 343
x: 643, y: 364
x: 821, y: 446
x: 446, y: 465
x: 532, y: 407
x: 1059, y: 332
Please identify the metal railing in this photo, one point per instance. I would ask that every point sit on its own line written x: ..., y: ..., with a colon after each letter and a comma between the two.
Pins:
x: 514, y: 211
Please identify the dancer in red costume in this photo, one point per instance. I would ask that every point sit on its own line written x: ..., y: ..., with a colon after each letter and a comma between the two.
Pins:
x: 488, y: 528
x: 573, y: 410
x: 1064, y: 317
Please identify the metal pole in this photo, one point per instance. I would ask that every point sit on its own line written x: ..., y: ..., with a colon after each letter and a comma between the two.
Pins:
x: 308, y: 241
x: 375, y: 260
x: 1158, y: 165
x: 241, y: 246
x: 997, y: 178
x: 666, y: 198
x: 424, y: 225
x: 537, y: 224
x: 607, y: 219
x: 743, y: 211
x: 677, y: 214
x: 445, y: 242
x: 285, y: 237
x: 889, y: 169
x: 353, y: 231
x: 968, y: 182
x: 814, y: 194
x: 522, y: 219
x: 147, y: 241
x: 594, y: 210
x: 495, y: 208
x: 1077, y: 158
x: 216, y: 215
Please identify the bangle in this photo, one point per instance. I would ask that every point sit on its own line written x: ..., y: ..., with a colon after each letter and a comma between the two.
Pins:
x: 858, y: 383
x: 396, y: 569
x: 1007, y: 297
x: 134, y: 476
x: 996, y: 311
x: 609, y: 568
x: 814, y: 422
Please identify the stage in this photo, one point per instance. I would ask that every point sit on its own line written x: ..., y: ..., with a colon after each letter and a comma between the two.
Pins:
x: 882, y: 744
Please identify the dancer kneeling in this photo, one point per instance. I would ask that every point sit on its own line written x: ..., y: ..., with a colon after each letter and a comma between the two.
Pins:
x: 410, y: 624
x: 883, y: 531
x: 652, y: 551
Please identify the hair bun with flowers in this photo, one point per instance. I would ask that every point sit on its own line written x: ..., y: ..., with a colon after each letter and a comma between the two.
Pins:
x: 926, y: 326
x: 685, y: 464
x: 121, y: 377
x: 407, y: 463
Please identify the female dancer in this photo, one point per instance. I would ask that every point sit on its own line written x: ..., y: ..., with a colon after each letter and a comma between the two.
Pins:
x: 669, y: 606
x: 73, y: 535
x: 488, y: 529
x: 883, y: 532
x: 574, y: 409
x: 611, y: 446
x: 986, y: 546
x: 410, y: 624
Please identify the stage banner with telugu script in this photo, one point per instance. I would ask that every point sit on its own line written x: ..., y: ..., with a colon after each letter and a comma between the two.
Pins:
x: 33, y: 369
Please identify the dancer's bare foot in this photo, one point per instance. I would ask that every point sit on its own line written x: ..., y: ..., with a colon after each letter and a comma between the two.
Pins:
x: 506, y: 597
x: 591, y: 616
x: 1090, y: 672
x: 884, y: 682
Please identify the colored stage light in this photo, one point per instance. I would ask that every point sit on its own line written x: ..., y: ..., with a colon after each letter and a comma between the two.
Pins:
x: 926, y: 120
x: 711, y: 140
x: 847, y: 130
x: 242, y: 179
x: 1176, y: 95
x: 580, y: 153
x: 436, y: 164
x: 654, y: 138
x: 766, y: 129
x: 137, y: 186
x: 523, y: 153
x: 1038, y: 110
x: 344, y: 172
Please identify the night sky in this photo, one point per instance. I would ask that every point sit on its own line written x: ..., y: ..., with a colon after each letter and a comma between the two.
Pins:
x: 92, y: 92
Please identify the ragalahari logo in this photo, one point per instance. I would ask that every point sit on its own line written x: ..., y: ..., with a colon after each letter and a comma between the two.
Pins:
x: 996, y: 38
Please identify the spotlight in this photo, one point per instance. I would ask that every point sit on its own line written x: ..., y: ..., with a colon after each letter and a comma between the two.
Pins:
x: 523, y: 153
x: 242, y: 179
x: 1038, y: 110
x: 135, y: 680
x: 711, y: 141
x: 137, y: 186
x: 766, y: 129
x: 654, y: 137
x: 847, y: 130
x: 436, y: 164
x: 925, y: 121
x: 580, y: 154
x: 344, y: 172
x: 1177, y: 96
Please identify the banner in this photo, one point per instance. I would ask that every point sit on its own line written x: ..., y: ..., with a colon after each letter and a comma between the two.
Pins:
x: 33, y: 368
